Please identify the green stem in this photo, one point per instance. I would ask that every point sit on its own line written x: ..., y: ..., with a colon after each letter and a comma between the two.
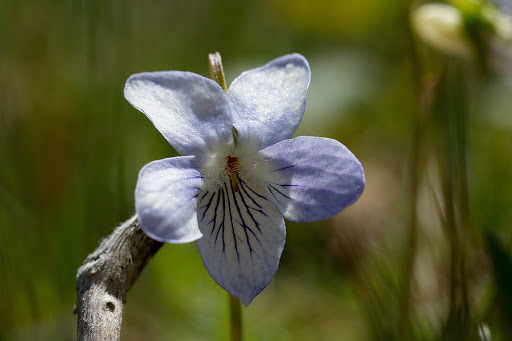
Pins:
x: 235, y: 307
x: 423, y: 94
x: 235, y: 317
x: 216, y: 70
x: 452, y: 126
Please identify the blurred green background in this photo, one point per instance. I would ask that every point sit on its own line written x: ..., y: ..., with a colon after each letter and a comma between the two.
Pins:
x: 71, y: 147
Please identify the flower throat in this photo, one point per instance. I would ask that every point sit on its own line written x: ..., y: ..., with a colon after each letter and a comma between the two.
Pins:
x: 232, y: 168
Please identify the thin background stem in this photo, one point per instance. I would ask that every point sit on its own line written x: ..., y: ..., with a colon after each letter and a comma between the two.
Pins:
x: 422, y: 103
x: 455, y: 149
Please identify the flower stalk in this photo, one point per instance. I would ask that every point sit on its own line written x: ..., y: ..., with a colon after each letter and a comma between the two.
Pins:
x: 235, y: 308
x: 235, y: 318
x: 216, y: 70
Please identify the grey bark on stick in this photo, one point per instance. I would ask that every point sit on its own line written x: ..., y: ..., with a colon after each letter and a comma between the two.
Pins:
x: 105, y: 277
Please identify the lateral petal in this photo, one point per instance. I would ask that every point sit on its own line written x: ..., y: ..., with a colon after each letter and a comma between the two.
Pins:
x: 243, y: 238
x: 190, y: 111
x: 309, y: 178
x: 166, y: 198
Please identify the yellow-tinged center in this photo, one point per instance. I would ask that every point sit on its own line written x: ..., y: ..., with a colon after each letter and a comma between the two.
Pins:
x: 232, y: 168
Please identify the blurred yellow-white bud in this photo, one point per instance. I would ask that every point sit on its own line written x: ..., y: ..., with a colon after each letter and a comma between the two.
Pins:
x: 442, y: 27
x: 503, y: 27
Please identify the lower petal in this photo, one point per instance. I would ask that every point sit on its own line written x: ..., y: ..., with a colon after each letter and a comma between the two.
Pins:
x: 166, y: 197
x: 243, y: 237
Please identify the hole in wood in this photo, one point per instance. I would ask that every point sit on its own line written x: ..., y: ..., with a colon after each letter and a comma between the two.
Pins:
x: 110, y: 306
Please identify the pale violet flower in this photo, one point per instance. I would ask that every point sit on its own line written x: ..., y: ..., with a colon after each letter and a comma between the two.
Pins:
x: 240, y: 172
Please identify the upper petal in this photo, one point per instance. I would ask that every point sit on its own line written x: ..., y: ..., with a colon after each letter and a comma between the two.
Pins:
x: 243, y: 237
x: 269, y: 102
x: 191, y: 111
x: 166, y: 198
x: 309, y: 178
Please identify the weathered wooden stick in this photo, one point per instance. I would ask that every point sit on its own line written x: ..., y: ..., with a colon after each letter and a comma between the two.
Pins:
x: 106, y: 276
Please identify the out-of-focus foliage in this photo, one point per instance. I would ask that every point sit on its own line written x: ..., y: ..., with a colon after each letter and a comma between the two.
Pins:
x: 71, y: 148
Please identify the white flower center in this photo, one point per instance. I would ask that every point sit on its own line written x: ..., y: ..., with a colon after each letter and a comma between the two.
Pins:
x: 218, y: 171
